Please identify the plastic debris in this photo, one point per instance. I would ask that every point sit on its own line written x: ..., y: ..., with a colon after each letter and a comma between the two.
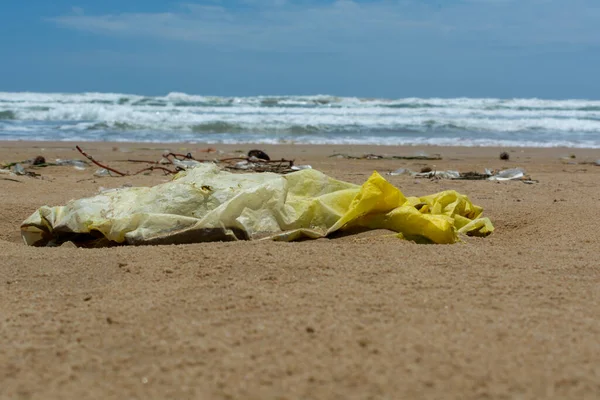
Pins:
x: 102, y: 172
x: 186, y: 163
x: 19, y: 170
x: 74, y: 163
x: 242, y: 165
x: 438, y: 174
x: 417, y: 156
x: 257, y: 165
x: 206, y: 204
x: 503, y: 175
x: 429, y: 174
x: 401, y: 171
x: 300, y: 167
x: 10, y: 174
x: 508, y: 174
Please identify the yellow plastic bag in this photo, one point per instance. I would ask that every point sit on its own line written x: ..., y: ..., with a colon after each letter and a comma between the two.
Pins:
x: 206, y: 204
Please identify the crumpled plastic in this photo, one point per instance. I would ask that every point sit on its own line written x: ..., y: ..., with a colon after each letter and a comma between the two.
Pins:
x: 207, y: 204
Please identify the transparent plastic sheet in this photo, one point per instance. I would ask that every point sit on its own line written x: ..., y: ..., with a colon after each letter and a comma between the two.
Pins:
x: 207, y: 204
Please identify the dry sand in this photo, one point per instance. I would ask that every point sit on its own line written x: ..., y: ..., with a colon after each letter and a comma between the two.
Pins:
x: 513, y: 315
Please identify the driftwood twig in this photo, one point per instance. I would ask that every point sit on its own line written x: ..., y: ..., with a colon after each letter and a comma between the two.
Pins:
x: 248, y: 163
x: 106, y: 167
x: 99, y: 164
x: 152, y: 168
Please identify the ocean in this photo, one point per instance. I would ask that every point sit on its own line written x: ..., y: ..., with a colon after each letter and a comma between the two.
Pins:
x: 180, y: 117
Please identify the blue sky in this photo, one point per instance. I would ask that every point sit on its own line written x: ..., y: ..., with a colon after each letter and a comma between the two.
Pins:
x: 374, y: 48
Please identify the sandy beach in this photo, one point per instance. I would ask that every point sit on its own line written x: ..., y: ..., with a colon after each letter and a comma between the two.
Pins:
x: 513, y: 315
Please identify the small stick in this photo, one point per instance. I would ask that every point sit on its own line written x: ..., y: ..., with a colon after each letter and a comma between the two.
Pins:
x: 233, y: 158
x: 141, y: 161
x: 258, y: 160
x: 152, y: 168
x: 97, y: 163
x: 187, y: 156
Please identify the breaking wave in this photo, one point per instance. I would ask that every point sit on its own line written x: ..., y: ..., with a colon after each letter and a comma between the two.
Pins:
x: 299, y: 119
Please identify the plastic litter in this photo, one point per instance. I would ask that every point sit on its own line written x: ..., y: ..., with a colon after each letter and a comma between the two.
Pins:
x: 420, y: 155
x: 185, y: 164
x: 430, y: 174
x: 102, y: 172
x: 242, y: 165
x: 19, y: 170
x: 206, y: 204
x: 401, y: 171
x: 508, y: 174
x: 300, y: 167
x: 74, y: 163
x: 438, y: 174
x: 504, y: 175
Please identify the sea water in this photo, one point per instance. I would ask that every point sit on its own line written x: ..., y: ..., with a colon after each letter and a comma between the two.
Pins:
x: 179, y: 117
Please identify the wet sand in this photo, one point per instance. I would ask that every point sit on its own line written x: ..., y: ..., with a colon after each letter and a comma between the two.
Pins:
x: 513, y: 315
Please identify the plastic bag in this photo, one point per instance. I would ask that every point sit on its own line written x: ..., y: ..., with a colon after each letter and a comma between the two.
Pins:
x: 206, y: 204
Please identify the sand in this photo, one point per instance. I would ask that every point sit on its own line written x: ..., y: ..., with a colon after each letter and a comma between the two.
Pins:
x: 513, y: 315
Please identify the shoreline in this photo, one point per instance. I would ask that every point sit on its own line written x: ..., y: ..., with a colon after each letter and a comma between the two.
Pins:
x: 319, y: 149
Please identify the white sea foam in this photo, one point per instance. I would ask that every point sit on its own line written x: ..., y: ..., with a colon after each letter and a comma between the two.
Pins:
x: 300, y: 119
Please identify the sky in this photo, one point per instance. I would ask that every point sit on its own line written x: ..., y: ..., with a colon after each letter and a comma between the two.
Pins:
x: 364, y: 48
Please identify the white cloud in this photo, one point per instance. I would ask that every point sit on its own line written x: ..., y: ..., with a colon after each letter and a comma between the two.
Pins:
x: 350, y: 26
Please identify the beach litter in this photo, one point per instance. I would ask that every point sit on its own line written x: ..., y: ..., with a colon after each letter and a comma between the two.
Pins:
x: 506, y: 175
x: 74, y: 163
x: 10, y: 174
x: 28, y: 167
x: 571, y: 161
x: 490, y: 175
x: 206, y: 203
x: 19, y: 170
x: 172, y: 163
x: 169, y: 164
x: 417, y: 156
x: 300, y: 167
x: 261, y: 155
